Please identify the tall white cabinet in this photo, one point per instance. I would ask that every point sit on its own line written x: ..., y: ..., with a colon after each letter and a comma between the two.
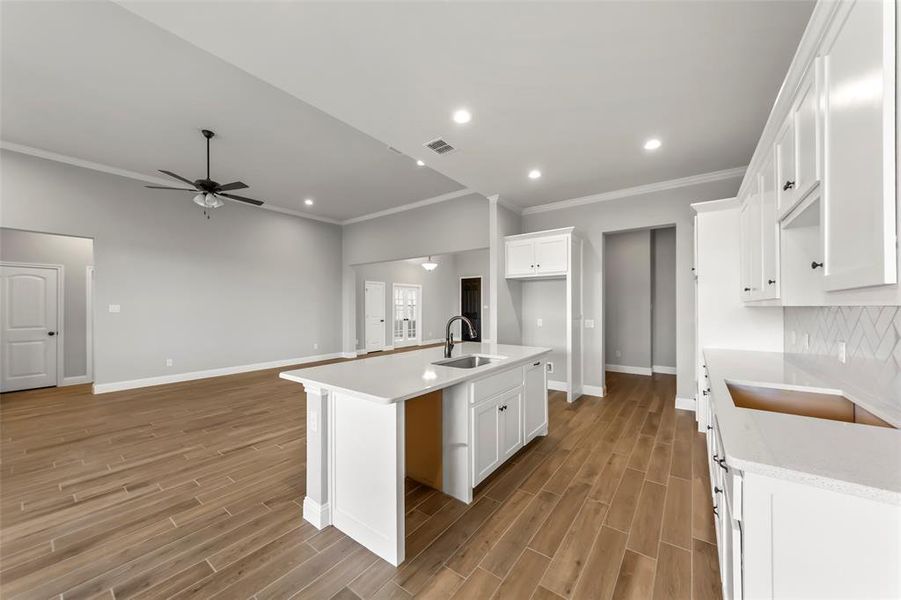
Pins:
x: 819, y: 201
x: 554, y: 254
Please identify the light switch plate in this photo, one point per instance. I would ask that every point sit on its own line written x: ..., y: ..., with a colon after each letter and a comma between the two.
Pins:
x: 842, y: 352
x: 541, y: 322
x: 114, y: 308
x: 589, y: 323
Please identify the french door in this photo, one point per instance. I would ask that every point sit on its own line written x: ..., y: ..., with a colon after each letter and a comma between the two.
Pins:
x: 407, y: 314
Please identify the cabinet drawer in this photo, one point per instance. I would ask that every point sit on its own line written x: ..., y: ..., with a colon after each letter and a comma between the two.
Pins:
x: 491, y: 386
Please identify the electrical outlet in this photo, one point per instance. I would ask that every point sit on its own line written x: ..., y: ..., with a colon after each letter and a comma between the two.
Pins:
x: 114, y: 308
x: 619, y: 354
x: 550, y: 367
x: 842, y: 352
x: 169, y: 362
x: 540, y: 322
x: 807, y: 341
x: 315, y: 346
x: 589, y: 323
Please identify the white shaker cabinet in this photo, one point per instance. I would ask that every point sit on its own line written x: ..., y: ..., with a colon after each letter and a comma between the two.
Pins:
x: 751, y: 248
x: 534, y: 401
x: 769, y: 225
x: 542, y: 256
x: 520, y: 258
x: 797, y: 149
x: 858, y: 57
x: 510, y: 408
x: 487, y: 421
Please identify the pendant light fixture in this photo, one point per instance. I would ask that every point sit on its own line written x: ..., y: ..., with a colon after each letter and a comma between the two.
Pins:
x: 429, y: 264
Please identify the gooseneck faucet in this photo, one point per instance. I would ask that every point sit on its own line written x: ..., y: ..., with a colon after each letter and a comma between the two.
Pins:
x: 449, y: 336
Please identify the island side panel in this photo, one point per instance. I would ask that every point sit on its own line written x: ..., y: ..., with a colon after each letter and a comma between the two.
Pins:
x: 316, y: 503
x: 457, y: 445
x: 366, y: 473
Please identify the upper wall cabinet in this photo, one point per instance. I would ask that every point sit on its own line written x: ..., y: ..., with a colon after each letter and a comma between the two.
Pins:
x: 858, y: 56
x: 537, y: 255
x: 822, y: 179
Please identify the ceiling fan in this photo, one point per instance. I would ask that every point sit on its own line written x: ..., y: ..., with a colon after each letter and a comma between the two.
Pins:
x: 208, y: 193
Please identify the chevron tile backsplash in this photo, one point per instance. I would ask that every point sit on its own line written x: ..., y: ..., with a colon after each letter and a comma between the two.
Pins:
x: 870, y: 332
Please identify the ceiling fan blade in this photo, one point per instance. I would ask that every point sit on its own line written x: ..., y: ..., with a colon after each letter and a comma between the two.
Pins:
x: 160, y: 187
x: 179, y: 177
x: 242, y: 199
x: 235, y: 185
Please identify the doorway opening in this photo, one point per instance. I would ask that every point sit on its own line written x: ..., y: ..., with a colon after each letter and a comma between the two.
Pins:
x: 46, y: 282
x: 471, y: 306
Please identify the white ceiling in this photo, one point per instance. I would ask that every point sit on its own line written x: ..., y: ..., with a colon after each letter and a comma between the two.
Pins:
x: 573, y: 89
x: 95, y: 82
x: 305, y: 97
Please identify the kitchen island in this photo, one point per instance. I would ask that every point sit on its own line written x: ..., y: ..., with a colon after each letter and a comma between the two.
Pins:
x: 451, y: 421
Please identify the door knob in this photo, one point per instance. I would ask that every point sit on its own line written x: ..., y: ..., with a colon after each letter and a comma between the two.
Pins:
x: 51, y: 333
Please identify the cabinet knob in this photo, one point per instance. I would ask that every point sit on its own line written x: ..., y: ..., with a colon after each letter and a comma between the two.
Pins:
x: 788, y: 185
x: 709, y: 427
x: 815, y: 265
x: 717, y: 490
x: 747, y: 289
x: 771, y: 281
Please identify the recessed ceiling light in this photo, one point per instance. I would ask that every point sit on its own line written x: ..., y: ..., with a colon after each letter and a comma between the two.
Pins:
x: 652, y: 144
x: 534, y: 174
x: 462, y: 116
x: 308, y: 202
x: 419, y: 163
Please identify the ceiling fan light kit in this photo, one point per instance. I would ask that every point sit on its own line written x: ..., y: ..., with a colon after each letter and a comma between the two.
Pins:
x: 208, y: 193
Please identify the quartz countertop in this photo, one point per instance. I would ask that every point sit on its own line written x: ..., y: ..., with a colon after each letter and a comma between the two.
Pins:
x: 403, y: 375
x: 845, y: 457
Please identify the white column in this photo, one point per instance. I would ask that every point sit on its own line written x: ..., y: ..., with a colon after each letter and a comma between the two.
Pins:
x: 316, y: 508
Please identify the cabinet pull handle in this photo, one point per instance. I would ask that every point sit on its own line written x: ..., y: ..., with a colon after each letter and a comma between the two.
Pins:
x: 747, y: 289
x: 788, y: 185
x: 705, y: 392
x: 715, y: 511
x: 536, y: 364
x: 815, y: 265
x: 722, y: 463
x: 771, y: 281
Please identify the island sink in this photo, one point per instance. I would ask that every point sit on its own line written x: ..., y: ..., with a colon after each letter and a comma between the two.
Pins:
x: 469, y: 361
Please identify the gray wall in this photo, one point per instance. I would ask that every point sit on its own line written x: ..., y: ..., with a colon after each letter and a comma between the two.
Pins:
x: 627, y: 289
x: 546, y: 300
x: 246, y: 286
x: 75, y: 254
x: 446, y: 227
x: 659, y: 209
x: 509, y: 291
x: 663, y: 306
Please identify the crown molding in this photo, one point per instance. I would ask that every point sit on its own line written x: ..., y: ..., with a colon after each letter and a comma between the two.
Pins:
x: 649, y: 188
x: 410, y: 206
x: 102, y: 168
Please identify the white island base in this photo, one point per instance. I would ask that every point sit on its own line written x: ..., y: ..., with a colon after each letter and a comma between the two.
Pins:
x: 357, y: 438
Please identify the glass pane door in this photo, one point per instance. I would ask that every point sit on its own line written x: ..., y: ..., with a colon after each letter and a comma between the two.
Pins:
x: 406, y: 314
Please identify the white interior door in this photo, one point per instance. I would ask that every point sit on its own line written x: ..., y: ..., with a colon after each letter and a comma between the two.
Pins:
x: 29, y: 314
x: 407, y: 307
x: 374, y: 311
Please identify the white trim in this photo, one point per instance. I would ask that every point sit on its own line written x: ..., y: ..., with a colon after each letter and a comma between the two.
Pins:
x: 684, y: 403
x: 116, y: 386
x: 317, y: 514
x: 640, y: 189
x: 410, y: 206
x: 663, y: 369
x: 94, y: 166
x: 629, y: 369
x: 76, y: 380
x: 557, y: 386
x: 60, y: 311
x: 417, y: 341
x: 89, y: 324
x: 481, y: 302
x: 594, y: 390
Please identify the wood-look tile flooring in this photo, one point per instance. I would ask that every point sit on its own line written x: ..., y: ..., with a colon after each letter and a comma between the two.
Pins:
x: 194, y: 490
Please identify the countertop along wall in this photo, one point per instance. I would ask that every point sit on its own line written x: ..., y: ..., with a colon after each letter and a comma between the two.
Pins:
x: 245, y: 287
x: 657, y: 209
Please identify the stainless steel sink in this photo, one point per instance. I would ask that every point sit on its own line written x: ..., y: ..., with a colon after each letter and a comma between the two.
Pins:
x: 470, y: 361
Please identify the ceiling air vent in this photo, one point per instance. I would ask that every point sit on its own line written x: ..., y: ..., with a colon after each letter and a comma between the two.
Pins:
x: 439, y: 146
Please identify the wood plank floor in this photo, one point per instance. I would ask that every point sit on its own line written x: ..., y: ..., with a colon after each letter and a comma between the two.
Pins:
x: 194, y: 490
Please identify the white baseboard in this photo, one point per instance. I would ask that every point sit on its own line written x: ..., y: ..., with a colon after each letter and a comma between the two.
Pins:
x: 663, y: 369
x: 630, y: 370
x: 116, y: 386
x: 352, y: 354
x: 557, y: 386
x: 77, y: 380
x: 317, y: 514
x: 685, y: 403
x: 595, y: 390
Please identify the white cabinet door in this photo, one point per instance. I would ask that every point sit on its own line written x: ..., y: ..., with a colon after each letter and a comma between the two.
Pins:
x: 751, y: 248
x: 805, y: 118
x: 487, y: 425
x: 520, y: 257
x: 552, y: 254
x: 785, y: 167
x: 769, y: 287
x: 858, y: 56
x: 510, y: 408
x: 535, y: 401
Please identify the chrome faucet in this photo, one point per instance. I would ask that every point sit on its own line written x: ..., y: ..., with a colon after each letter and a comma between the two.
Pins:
x: 449, y: 337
